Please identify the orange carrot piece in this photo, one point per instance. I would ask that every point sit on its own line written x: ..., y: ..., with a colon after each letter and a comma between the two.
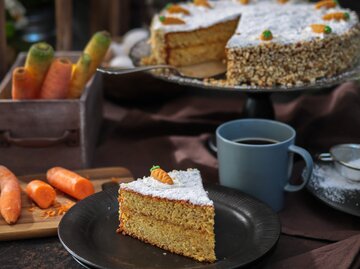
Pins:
x: 161, y: 175
x: 41, y: 193
x: 326, y: 4
x: 57, y: 80
x: 173, y: 9
x: 23, y: 85
x: 338, y: 16
x: 10, y: 197
x: 70, y: 182
x: 321, y: 28
x: 203, y: 3
x: 244, y: 2
x: 170, y: 20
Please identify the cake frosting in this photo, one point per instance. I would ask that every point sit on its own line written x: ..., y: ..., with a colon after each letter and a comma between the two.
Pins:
x: 187, y: 187
x: 288, y: 23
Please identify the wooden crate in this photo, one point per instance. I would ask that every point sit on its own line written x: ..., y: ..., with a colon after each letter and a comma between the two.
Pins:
x: 38, y: 134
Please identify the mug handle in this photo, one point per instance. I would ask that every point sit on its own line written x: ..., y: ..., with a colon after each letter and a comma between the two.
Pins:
x: 309, y: 167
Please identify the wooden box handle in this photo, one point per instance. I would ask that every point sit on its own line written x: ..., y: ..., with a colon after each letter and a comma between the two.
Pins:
x: 70, y: 138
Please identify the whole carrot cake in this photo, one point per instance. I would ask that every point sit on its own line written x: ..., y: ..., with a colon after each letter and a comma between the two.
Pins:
x: 264, y: 42
x: 171, y: 211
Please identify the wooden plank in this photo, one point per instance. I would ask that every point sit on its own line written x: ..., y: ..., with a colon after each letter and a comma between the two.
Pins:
x: 32, y: 222
x: 3, y: 57
x: 63, y: 10
x: 114, y: 18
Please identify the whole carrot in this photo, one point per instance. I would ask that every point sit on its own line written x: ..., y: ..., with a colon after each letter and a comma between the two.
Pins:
x: 41, y: 193
x: 57, y: 80
x: 79, y: 76
x: 97, y: 48
x: 70, y: 182
x: 23, y: 86
x: 38, y: 61
x: 10, y: 197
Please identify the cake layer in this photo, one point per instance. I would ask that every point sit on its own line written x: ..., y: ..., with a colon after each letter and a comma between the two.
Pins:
x: 196, y: 54
x: 182, y: 213
x: 174, y: 238
x: 289, y: 64
x: 187, y: 48
x: 217, y: 33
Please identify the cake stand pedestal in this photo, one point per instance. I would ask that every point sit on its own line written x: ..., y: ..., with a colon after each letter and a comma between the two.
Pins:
x: 258, y: 103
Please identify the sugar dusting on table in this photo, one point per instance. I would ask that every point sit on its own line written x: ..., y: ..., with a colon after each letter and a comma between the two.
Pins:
x: 327, y: 180
x: 355, y: 163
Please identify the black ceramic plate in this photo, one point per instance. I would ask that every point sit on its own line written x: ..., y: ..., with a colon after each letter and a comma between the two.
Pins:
x: 347, y: 201
x: 245, y: 229
x: 142, y: 49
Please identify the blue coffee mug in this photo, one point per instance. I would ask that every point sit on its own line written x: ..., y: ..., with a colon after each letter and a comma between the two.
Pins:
x: 256, y: 157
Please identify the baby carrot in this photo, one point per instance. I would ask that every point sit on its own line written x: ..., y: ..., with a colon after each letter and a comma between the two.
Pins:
x: 41, y: 193
x: 97, y: 48
x: 57, y: 80
x: 79, y: 76
x: 38, y: 61
x: 23, y: 86
x: 70, y: 182
x: 10, y: 198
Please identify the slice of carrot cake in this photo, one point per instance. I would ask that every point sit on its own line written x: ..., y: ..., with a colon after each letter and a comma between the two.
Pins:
x: 169, y: 210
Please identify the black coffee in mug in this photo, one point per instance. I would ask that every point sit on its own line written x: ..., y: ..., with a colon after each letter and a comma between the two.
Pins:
x: 256, y: 141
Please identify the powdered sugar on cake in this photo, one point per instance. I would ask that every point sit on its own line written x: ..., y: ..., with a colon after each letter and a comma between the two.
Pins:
x: 289, y: 22
x: 187, y: 187
x: 200, y: 17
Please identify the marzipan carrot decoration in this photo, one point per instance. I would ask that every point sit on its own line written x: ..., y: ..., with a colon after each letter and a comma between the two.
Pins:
x: 97, y: 48
x: 10, y: 196
x: 173, y: 9
x: 338, y: 16
x: 326, y: 4
x: 41, y: 193
x: 70, y: 182
x: 266, y: 35
x: 38, y: 62
x: 244, y: 2
x: 170, y: 20
x: 202, y: 3
x: 57, y: 80
x: 23, y: 86
x: 79, y: 76
x: 161, y: 175
x: 321, y: 29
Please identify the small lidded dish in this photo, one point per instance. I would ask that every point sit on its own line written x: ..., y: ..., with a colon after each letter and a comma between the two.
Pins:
x: 346, y: 158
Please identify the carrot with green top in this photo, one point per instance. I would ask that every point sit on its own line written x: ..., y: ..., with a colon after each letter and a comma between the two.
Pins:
x: 97, y: 48
x: 160, y: 175
x: 23, y: 86
x: 79, y: 76
x: 10, y: 196
x: 38, y: 62
x: 41, y: 193
x: 57, y: 80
